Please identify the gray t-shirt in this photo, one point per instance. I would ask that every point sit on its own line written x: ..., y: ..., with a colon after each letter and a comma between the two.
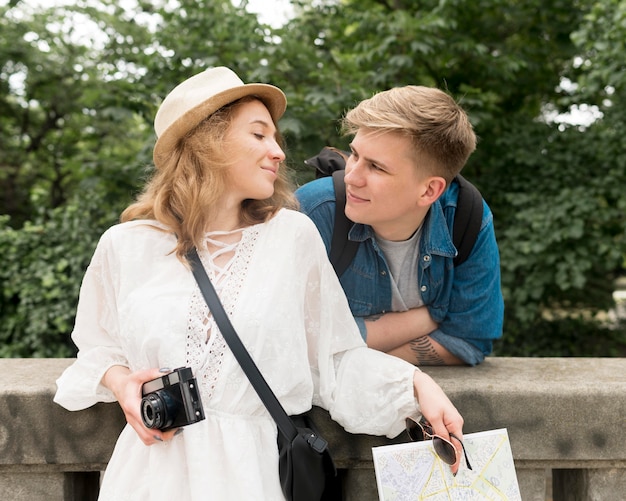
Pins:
x: 402, y: 258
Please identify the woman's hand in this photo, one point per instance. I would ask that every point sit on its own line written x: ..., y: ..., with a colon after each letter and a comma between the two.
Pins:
x: 439, y: 411
x: 126, y: 386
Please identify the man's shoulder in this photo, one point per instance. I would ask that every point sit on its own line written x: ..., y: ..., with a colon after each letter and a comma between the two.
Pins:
x: 315, y: 193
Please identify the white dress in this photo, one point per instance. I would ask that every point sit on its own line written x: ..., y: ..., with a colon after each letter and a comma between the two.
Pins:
x: 141, y: 308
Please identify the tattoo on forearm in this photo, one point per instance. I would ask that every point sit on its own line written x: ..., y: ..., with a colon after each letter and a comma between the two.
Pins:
x: 424, y: 352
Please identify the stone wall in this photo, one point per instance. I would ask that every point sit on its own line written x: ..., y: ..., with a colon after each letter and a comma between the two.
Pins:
x: 566, y: 419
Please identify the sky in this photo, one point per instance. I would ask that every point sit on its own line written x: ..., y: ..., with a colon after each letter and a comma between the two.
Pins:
x: 272, y: 12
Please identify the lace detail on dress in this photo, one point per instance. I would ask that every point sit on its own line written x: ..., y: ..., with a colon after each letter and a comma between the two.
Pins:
x: 205, y: 344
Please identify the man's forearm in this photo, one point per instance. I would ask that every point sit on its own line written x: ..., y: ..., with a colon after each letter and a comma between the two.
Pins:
x: 392, y: 330
x: 425, y: 351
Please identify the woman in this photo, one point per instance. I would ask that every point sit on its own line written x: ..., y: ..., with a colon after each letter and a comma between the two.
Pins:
x: 220, y: 186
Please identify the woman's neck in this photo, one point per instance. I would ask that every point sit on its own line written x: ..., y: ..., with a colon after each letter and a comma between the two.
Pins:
x: 225, y: 219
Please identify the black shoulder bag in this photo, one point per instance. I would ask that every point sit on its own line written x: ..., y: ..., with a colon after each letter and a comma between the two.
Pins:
x: 306, y: 468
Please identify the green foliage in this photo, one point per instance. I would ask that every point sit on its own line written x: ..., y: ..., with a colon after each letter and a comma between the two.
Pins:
x: 562, y: 241
x: 43, y: 265
x: 61, y: 123
x: 560, y: 223
x: 497, y: 57
x: 74, y: 154
x: 76, y: 111
x: 599, y: 72
x: 563, y: 337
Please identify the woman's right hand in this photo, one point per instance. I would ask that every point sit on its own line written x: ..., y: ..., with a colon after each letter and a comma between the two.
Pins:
x: 439, y: 411
x: 126, y: 386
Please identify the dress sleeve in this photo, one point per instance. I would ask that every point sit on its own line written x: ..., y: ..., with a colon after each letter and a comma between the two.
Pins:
x: 364, y: 390
x: 96, y: 334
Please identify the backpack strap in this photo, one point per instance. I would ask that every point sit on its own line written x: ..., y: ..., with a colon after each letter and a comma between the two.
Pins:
x: 342, y: 249
x: 467, y: 219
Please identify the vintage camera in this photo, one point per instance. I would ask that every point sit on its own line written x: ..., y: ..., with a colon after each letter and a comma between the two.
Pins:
x: 171, y: 401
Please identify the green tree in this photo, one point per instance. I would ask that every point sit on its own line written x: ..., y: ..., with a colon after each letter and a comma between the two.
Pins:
x: 62, y: 113
x: 66, y: 174
x: 563, y: 240
x: 74, y: 152
x: 499, y: 58
x: 76, y: 117
x: 76, y: 113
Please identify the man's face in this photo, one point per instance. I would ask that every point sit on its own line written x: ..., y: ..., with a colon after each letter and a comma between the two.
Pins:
x: 384, y: 184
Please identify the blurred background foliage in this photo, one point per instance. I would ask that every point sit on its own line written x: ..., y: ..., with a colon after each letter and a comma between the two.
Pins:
x: 543, y: 81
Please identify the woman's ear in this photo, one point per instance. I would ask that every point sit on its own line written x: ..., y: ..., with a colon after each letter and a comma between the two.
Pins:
x: 433, y: 188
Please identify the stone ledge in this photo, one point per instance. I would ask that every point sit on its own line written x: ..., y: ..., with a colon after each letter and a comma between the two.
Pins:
x: 562, y: 414
x: 555, y: 409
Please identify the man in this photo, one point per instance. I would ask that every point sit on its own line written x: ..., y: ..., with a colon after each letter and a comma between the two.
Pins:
x: 406, y: 294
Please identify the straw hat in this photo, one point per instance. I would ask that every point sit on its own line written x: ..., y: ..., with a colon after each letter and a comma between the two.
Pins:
x: 201, y: 95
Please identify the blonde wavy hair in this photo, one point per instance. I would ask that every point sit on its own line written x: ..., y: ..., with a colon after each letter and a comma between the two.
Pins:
x: 183, y: 192
x: 435, y: 124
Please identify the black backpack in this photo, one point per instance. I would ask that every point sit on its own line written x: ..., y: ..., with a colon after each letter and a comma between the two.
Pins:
x: 467, y: 219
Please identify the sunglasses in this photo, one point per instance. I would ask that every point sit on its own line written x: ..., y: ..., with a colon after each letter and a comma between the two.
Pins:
x: 423, y: 430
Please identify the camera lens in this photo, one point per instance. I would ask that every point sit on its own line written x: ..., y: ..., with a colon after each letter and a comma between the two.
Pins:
x: 158, y: 410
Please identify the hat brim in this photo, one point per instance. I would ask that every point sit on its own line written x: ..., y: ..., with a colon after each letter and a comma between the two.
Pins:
x: 271, y: 96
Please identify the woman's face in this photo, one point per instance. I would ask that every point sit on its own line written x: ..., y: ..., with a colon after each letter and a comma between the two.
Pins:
x: 253, y: 152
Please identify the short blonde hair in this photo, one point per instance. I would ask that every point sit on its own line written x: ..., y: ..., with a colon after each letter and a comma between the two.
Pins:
x: 436, y: 125
x: 186, y: 185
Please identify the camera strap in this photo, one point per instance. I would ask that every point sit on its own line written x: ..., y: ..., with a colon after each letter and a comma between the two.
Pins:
x: 283, y: 421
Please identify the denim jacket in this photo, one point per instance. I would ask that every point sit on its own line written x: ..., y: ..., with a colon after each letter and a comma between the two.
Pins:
x: 465, y: 301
